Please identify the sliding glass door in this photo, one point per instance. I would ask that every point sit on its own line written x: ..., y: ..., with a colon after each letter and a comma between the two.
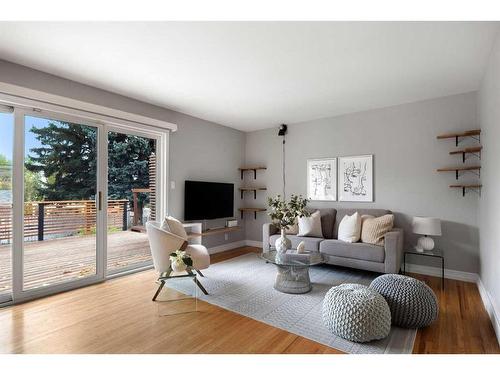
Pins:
x: 60, y: 201
x: 6, y: 233
x: 132, y: 199
x: 75, y: 196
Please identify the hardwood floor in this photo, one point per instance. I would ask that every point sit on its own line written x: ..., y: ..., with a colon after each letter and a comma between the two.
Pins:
x: 118, y: 316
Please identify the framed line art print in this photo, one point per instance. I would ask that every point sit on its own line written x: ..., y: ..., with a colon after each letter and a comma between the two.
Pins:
x: 322, y: 179
x: 356, y: 178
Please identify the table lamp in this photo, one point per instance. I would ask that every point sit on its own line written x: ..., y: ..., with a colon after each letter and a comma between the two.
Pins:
x: 428, y: 226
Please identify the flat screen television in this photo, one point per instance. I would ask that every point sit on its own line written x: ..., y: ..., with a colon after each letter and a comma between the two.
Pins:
x: 208, y: 200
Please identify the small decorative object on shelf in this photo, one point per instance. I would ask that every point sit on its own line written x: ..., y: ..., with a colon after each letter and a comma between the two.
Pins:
x: 428, y: 226
x: 180, y: 261
x: 283, y: 214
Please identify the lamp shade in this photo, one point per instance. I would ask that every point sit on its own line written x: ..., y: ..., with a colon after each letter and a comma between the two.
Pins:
x: 429, y: 226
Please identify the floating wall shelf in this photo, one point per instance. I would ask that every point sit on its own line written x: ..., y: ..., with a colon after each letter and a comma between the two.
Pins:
x: 251, y: 209
x: 462, y: 169
x: 476, y: 151
x: 472, y: 150
x: 254, y: 169
x: 254, y: 189
x: 476, y: 188
x: 475, y: 134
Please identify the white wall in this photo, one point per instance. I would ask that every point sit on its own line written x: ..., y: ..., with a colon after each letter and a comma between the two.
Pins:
x: 406, y: 154
x: 489, y: 212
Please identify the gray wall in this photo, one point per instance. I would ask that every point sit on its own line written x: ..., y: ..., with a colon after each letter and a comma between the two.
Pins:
x: 406, y: 154
x: 489, y: 211
x: 198, y: 150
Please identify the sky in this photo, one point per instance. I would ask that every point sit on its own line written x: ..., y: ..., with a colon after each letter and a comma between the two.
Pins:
x: 7, y: 133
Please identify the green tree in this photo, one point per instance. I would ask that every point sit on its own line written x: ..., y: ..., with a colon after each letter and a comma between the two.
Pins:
x: 4, y: 161
x: 128, y: 162
x: 67, y: 159
x: 5, y: 173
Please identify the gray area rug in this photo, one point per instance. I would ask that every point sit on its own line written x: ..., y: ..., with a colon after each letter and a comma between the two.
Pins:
x: 245, y: 285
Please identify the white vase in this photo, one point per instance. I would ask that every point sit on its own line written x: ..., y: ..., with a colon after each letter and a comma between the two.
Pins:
x: 282, y: 244
x: 178, y: 266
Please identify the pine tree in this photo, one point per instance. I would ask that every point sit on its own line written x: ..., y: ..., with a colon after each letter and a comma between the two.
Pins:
x: 67, y: 159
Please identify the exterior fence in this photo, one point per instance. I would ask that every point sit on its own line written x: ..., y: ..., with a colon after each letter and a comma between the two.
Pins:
x: 62, y: 218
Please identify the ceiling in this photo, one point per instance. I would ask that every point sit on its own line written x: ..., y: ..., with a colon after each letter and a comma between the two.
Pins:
x: 255, y: 75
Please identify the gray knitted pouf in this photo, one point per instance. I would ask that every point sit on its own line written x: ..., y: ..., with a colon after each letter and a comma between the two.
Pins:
x: 356, y: 313
x: 413, y: 304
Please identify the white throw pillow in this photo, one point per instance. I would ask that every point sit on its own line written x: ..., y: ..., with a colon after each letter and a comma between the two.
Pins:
x: 350, y: 228
x: 174, y: 226
x: 310, y: 226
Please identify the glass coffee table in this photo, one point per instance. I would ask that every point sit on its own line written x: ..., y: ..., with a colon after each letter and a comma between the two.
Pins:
x: 293, y: 269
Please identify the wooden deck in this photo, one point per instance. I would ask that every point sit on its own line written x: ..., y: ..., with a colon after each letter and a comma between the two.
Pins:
x: 54, y: 261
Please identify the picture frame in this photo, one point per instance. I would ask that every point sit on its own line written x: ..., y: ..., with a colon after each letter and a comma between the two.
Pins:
x: 356, y: 178
x: 322, y: 179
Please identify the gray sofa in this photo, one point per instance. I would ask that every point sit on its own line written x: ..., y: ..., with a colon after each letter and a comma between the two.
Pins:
x: 358, y: 255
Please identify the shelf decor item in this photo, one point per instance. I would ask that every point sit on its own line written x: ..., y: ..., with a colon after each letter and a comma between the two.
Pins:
x: 322, y: 179
x: 283, y: 214
x: 428, y: 226
x: 180, y: 261
x: 356, y: 178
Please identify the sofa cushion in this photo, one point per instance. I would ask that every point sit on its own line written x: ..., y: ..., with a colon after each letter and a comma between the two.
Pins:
x: 358, y: 250
x: 310, y: 226
x: 341, y: 212
x: 311, y: 243
x: 375, y: 228
x: 327, y: 220
x: 350, y: 228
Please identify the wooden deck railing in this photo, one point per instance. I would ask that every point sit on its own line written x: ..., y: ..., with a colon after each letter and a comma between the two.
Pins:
x: 52, y: 218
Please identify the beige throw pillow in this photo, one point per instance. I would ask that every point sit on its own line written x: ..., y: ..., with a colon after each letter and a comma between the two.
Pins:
x: 174, y: 226
x: 310, y: 226
x: 374, y: 229
x: 350, y: 228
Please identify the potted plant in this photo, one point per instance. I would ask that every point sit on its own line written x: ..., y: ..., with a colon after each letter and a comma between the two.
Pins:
x: 283, y: 214
x: 179, y: 261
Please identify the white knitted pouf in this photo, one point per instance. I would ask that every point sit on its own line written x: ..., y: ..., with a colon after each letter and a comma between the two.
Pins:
x: 356, y: 313
x: 413, y: 304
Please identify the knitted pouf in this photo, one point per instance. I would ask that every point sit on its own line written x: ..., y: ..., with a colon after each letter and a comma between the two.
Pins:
x: 356, y: 313
x: 413, y: 304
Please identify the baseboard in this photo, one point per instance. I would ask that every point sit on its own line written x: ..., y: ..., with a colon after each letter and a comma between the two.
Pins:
x: 226, y: 247
x: 490, y: 308
x: 448, y: 273
x: 253, y: 243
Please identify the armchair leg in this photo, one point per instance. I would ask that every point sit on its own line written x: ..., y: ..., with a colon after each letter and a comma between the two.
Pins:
x: 199, y: 273
x: 162, y: 283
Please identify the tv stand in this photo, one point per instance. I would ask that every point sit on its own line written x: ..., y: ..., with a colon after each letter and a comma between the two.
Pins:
x: 195, y: 232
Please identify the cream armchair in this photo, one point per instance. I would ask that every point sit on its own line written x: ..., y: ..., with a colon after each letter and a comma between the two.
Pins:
x: 163, y: 243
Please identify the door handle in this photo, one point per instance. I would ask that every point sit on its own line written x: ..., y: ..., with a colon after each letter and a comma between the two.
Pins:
x: 99, y: 201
